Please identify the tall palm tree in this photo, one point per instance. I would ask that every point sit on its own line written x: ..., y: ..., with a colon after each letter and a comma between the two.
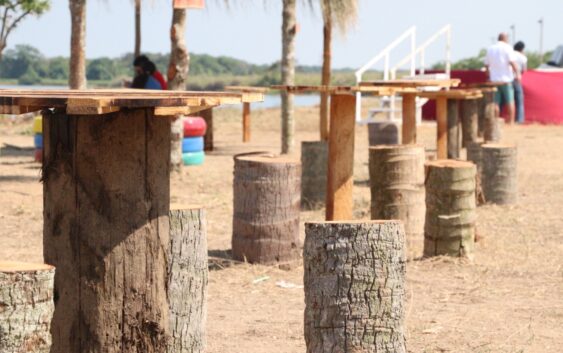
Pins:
x: 289, y: 30
x: 341, y: 13
x: 77, y: 75
x: 137, y: 51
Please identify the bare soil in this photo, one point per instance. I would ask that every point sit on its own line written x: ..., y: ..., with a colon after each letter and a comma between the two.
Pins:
x: 508, y: 299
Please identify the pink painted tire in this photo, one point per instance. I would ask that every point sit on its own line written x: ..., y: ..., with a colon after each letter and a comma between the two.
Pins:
x: 194, y: 127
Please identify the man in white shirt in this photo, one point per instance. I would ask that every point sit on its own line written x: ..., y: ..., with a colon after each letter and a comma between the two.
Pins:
x: 502, y: 67
x: 522, y: 62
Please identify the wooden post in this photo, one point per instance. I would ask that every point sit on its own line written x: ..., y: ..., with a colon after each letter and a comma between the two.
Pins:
x: 491, y: 123
x: 266, y: 200
x: 481, y: 119
x: 383, y: 133
x: 187, y: 280
x: 450, y: 208
x: 500, y: 173
x: 454, y: 148
x: 106, y: 195
x: 207, y: 115
x: 469, y: 121
x: 409, y: 118
x: 26, y: 307
x: 397, y: 190
x: 442, y: 127
x: 475, y: 155
x: 340, y: 176
x: 314, y: 160
x: 354, y: 281
x: 246, y: 122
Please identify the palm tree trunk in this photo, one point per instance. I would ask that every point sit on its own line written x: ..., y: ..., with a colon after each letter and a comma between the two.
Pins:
x: 137, y: 28
x: 288, y: 73
x: 77, y: 77
x: 327, y: 57
x: 177, y: 78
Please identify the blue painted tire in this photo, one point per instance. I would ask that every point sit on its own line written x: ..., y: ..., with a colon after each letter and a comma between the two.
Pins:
x: 192, y: 144
x: 38, y: 141
x: 193, y: 158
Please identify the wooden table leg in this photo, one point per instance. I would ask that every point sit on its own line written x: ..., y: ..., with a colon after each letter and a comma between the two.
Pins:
x: 340, y: 178
x: 442, y: 127
x: 207, y: 115
x: 106, y: 202
x: 409, y: 119
x: 454, y: 147
x: 246, y: 122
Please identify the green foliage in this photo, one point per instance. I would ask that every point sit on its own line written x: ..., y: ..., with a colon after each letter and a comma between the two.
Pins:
x: 29, y: 78
x: 35, y: 7
x: 101, y: 69
x: 534, y: 59
x: 477, y: 62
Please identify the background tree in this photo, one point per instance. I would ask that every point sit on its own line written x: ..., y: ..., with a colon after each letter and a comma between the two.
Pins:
x: 289, y: 30
x: 13, y: 12
x: 77, y: 74
x: 137, y: 51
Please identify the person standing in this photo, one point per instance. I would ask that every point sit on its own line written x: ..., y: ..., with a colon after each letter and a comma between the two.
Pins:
x: 501, y: 65
x: 522, y: 62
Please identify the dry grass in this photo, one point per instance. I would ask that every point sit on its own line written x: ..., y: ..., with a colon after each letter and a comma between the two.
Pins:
x: 508, y: 299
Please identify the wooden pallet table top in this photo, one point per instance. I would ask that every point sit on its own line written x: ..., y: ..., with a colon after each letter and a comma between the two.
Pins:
x: 94, y: 102
x: 458, y: 94
x: 247, y: 89
x: 374, y: 90
x: 412, y: 83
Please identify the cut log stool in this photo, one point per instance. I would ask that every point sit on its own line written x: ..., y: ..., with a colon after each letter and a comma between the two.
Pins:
x: 383, y: 133
x: 26, y: 307
x: 314, y: 162
x: 491, y: 126
x: 450, y: 208
x: 266, y: 196
x: 397, y: 190
x: 469, y: 121
x: 354, y: 287
x: 500, y: 173
x: 475, y: 155
x: 187, y: 279
x: 454, y: 134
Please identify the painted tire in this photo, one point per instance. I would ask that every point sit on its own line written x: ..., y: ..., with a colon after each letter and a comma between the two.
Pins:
x: 194, y: 126
x: 192, y: 144
x: 38, y: 125
x: 39, y: 155
x: 38, y: 141
x: 193, y: 158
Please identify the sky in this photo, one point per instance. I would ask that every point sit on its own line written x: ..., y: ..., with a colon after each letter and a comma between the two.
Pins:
x: 251, y: 29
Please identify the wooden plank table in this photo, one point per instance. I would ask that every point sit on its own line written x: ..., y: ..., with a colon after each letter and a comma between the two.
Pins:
x: 106, y: 197
x: 246, y: 107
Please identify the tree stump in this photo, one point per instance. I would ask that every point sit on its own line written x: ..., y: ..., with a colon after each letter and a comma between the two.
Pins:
x: 176, y: 136
x: 469, y: 121
x: 314, y: 164
x: 491, y: 128
x: 500, y: 173
x: 450, y: 208
x: 383, y: 133
x: 187, y: 280
x: 266, y: 197
x: 397, y: 190
x: 354, y: 287
x: 481, y: 115
x: 26, y: 307
x: 475, y: 155
x: 454, y: 147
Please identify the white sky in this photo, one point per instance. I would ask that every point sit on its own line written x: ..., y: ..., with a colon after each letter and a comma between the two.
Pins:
x: 252, y: 31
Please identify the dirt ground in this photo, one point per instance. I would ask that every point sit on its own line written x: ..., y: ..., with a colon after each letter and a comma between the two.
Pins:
x: 508, y: 299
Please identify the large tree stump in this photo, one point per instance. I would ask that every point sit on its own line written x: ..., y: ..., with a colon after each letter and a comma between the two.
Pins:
x: 107, y: 196
x: 266, y: 197
x: 187, y: 280
x: 383, y: 133
x: 314, y: 164
x: 26, y: 307
x: 354, y: 287
x: 397, y: 190
x: 454, y: 147
x: 450, y: 208
x: 469, y: 121
x: 491, y: 128
x: 475, y: 155
x: 500, y: 173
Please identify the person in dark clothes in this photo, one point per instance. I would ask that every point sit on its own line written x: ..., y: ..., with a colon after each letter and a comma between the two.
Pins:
x: 145, y: 67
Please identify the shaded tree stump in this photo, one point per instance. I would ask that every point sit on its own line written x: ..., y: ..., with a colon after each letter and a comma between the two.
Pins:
x: 267, y: 198
x: 481, y: 116
x: 490, y: 122
x: 475, y: 155
x: 187, y: 280
x: 500, y: 173
x: 314, y: 164
x: 454, y: 147
x: 469, y: 121
x: 397, y: 190
x: 354, y: 287
x: 383, y: 133
x: 26, y: 307
x: 450, y: 208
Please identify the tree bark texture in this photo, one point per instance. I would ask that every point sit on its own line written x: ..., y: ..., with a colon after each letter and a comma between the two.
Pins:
x: 354, y: 287
x: 491, y: 128
x: 383, y: 133
x: 475, y: 155
x: 469, y: 121
x: 187, y: 280
x: 314, y: 164
x: 176, y: 137
x: 397, y: 190
x: 289, y: 29
x: 326, y: 76
x: 500, y: 173
x: 26, y: 307
x: 207, y: 115
x: 450, y: 208
x: 481, y: 119
x: 77, y: 72
x: 106, y: 202
x: 454, y: 147
x: 137, y: 28
x: 266, y: 195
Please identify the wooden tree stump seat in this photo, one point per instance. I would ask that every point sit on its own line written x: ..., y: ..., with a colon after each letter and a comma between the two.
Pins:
x: 500, y: 173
